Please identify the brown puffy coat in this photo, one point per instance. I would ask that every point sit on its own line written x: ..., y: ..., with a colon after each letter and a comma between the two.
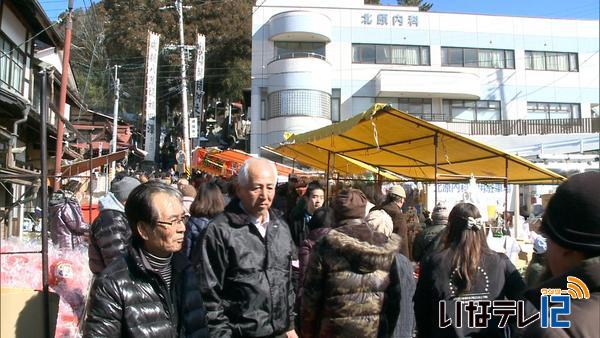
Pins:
x: 345, y: 283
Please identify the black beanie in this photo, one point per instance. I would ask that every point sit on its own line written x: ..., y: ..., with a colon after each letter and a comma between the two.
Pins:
x: 572, y: 217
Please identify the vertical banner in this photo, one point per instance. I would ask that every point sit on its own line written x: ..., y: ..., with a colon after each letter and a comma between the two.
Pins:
x: 193, y: 127
x: 199, y: 78
x: 150, y: 94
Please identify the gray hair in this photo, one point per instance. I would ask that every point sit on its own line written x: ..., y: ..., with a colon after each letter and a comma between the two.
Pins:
x: 243, y: 177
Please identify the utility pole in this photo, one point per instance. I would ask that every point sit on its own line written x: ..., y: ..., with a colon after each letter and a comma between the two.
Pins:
x: 115, y: 118
x: 62, y: 99
x: 184, y: 92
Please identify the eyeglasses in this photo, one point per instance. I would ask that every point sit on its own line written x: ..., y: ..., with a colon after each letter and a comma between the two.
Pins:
x: 167, y: 224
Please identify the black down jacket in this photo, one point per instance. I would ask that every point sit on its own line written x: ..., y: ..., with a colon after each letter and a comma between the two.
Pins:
x: 110, y: 234
x: 129, y: 300
x: 245, y: 279
x: 193, y: 230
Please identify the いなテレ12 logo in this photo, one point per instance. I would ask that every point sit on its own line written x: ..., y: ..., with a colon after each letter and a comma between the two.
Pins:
x: 550, y: 315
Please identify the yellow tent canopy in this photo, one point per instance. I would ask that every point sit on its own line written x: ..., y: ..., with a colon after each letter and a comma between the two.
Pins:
x: 389, y: 140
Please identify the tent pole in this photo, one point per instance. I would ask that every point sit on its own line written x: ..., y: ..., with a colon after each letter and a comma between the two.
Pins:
x: 506, y: 194
x: 435, y: 143
x: 44, y: 193
x: 327, y: 178
x: 90, y: 183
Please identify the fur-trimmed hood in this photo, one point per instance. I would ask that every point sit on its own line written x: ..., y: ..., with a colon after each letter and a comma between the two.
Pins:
x: 365, y: 249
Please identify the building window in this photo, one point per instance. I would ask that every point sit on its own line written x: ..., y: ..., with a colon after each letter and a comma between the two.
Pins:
x: 418, y: 107
x: 391, y: 54
x: 263, y: 103
x: 595, y: 110
x: 299, y: 49
x: 469, y: 110
x: 336, y: 104
x: 552, y: 110
x: 553, y: 61
x: 12, y: 64
x: 299, y: 102
x: 478, y: 57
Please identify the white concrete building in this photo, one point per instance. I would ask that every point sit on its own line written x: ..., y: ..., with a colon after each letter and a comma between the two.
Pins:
x: 315, y: 62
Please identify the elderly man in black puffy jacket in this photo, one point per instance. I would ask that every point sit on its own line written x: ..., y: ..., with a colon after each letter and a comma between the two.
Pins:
x: 151, y: 291
x: 110, y: 234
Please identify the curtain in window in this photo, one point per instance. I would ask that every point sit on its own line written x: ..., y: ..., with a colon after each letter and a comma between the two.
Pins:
x: 573, y: 62
x: 491, y: 58
x: 539, y: 60
x: 424, y: 55
x: 557, y: 61
x: 405, y: 55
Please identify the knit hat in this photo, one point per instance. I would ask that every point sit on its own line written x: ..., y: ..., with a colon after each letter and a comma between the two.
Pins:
x: 539, y: 245
x: 121, y: 188
x: 572, y: 217
x: 349, y: 204
x: 397, y: 190
x: 380, y: 221
x: 439, y: 215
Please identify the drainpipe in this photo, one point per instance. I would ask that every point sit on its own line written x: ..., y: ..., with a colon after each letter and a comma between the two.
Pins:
x: 15, y: 134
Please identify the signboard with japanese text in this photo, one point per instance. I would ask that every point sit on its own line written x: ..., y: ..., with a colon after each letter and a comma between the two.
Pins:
x: 150, y: 95
x: 193, y: 127
x: 385, y: 19
x: 199, y: 76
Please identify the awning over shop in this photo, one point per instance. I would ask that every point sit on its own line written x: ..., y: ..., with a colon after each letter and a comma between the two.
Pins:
x: 227, y: 163
x: 84, y: 165
x: 388, y: 139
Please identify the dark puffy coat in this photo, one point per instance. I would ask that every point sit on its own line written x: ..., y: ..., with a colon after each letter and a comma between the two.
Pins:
x: 426, y: 241
x: 67, y: 226
x: 400, y: 227
x: 299, y: 228
x: 193, y: 230
x: 245, y: 279
x: 346, y: 279
x: 110, y: 234
x: 584, y: 312
x: 500, y: 280
x: 129, y: 300
x: 307, y: 247
x: 537, y: 271
x: 398, y: 301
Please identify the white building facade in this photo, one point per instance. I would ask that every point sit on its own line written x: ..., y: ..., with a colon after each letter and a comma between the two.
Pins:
x: 325, y: 61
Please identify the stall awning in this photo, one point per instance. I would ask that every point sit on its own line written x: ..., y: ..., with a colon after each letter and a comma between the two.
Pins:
x: 84, y: 165
x: 391, y: 140
x: 227, y: 163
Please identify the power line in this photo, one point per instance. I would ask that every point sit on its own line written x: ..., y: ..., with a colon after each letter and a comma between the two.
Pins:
x: 7, y: 54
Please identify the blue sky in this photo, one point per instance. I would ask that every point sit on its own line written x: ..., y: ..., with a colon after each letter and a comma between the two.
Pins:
x: 579, y: 9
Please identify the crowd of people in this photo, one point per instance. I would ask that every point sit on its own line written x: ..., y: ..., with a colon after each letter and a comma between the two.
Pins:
x: 249, y: 258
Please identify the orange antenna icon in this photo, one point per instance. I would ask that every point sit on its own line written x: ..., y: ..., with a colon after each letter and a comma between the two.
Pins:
x: 577, y: 288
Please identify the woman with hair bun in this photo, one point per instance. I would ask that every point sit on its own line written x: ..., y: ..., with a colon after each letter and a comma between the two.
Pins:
x: 464, y: 270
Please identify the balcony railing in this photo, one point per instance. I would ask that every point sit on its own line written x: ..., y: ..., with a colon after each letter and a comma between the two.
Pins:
x: 296, y: 55
x: 523, y: 127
